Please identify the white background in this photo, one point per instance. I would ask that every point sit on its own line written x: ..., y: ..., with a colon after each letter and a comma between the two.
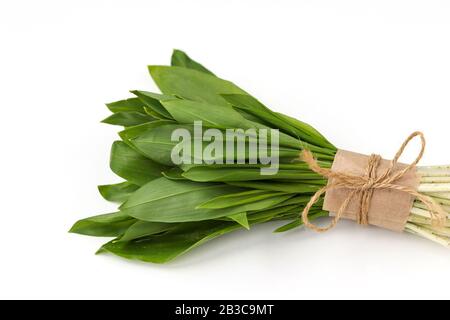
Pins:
x: 365, y: 73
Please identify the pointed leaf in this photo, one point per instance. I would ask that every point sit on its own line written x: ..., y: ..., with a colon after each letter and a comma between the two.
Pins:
x: 163, y: 248
x: 132, y: 166
x: 132, y: 104
x: 192, y: 84
x: 181, y: 59
x: 164, y: 200
x: 153, y: 101
x: 142, y: 229
x: 117, y: 192
x: 214, y: 116
x: 241, y: 218
x: 234, y: 199
x: 105, y: 225
x: 128, y: 119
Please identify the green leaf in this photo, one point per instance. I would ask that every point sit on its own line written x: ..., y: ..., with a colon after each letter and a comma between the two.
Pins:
x: 192, y: 84
x: 253, y: 106
x: 241, y: 218
x: 214, y: 116
x: 153, y: 101
x: 156, y: 143
x: 299, y: 222
x: 308, y: 129
x: 174, y: 174
x: 211, y: 174
x: 135, y: 131
x: 181, y: 59
x: 258, y: 205
x: 117, y: 192
x: 163, y: 248
x: 153, y: 114
x: 132, y: 166
x: 284, y: 186
x: 127, y: 105
x: 234, y: 199
x: 277, y: 120
x: 141, y: 229
x: 164, y: 200
x: 128, y: 119
x: 105, y: 225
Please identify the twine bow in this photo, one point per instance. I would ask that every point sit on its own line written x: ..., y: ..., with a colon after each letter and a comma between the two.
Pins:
x: 364, y: 186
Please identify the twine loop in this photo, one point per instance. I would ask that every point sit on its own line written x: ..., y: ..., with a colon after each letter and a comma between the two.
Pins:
x: 364, y: 186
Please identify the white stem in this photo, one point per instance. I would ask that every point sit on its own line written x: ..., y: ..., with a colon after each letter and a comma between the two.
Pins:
x: 435, y: 179
x: 424, y: 221
x: 441, y: 195
x: 434, y: 187
x: 445, y: 232
x: 421, y: 212
x: 423, y: 232
x: 434, y: 172
x: 435, y: 197
x: 428, y: 168
x: 420, y: 205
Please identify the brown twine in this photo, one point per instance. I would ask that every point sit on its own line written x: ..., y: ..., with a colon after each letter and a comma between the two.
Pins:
x: 364, y: 186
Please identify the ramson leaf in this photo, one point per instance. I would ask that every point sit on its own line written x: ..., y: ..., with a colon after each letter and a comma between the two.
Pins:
x: 163, y: 248
x: 181, y: 59
x: 132, y: 166
x: 164, y: 200
x: 105, y: 225
x: 128, y: 119
x: 127, y: 105
x: 117, y: 192
x: 192, y: 84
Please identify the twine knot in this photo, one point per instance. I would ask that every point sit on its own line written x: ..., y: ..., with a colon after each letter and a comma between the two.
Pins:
x: 364, y: 186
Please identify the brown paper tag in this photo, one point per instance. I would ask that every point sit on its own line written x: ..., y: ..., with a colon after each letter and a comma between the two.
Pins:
x: 389, y: 209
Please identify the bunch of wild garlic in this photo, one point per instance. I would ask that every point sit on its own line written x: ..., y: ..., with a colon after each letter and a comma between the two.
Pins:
x: 185, y: 183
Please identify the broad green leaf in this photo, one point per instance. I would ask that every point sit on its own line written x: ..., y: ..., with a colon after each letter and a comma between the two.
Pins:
x: 117, y: 192
x: 163, y: 248
x: 135, y: 131
x: 132, y: 104
x: 142, y: 229
x: 132, y: 166
x: 153, y: 101
x: 156, y: 143
x: 105, y: 225
x: 164, y: 200
x: 276, y: 120
x: 192, y: 84
x: 253, y: 106
x: 308, y: 129
x: 128, y: 119
x: 241, y: 218
x: 181, y: 59
x: 214, y: 116
x: 234, y: 199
